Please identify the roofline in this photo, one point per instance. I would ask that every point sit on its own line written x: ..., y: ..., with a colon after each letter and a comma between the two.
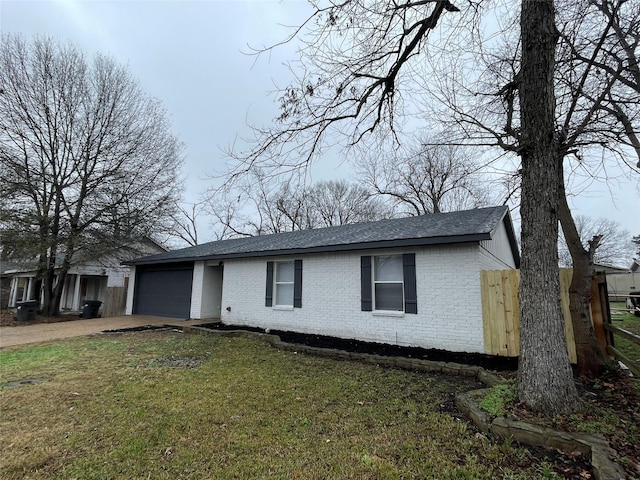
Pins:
x: 408, y: 242
x: 513, y: 243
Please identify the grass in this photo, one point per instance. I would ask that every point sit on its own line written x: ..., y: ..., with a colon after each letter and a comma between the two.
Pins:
x: 632, y: 324
x: 171, y: 405
x: 499, y: 398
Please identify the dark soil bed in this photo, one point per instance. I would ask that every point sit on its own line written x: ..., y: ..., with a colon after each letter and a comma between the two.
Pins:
x: 8, y: 319
x: 321, y: 341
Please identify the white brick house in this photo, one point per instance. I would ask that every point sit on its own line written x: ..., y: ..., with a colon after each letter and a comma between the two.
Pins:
x: 410, y: 282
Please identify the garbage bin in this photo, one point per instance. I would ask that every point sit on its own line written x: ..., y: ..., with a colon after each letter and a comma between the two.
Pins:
x: 26, y: 311
x: 90, y: 308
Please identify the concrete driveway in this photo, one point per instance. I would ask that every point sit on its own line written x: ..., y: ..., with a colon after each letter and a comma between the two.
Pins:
x: 42, y: 332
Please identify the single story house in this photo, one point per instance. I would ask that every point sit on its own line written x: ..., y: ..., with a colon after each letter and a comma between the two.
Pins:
x: 90, y: 277
x: 5, y: 281
x: 408, y: 281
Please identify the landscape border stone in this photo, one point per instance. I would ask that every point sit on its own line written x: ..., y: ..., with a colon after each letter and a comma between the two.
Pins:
x: 604, y: 467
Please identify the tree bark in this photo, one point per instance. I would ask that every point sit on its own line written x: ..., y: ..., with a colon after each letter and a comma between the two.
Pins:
x: 590, y: 357
x: 545, y: 379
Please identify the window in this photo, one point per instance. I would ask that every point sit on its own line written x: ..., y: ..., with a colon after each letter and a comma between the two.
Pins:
x: 388, y: 283
x: 284, y: 284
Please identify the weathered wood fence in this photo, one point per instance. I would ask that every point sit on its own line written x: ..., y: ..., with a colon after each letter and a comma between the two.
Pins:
x: 501, y: 315
x: 115, y: 300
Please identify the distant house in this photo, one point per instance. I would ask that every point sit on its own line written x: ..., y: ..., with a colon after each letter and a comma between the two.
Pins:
x: 5, y: 281
x: 87, y: 279
x: 409, y: 281
x: 621, y: 282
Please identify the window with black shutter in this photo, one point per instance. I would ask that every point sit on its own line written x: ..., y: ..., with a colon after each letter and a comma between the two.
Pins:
x: 284, y: 284
x: 388, y: 283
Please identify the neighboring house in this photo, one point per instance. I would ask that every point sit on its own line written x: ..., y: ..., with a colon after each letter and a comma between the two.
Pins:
x: 410, y: 281
x: 602, y: 267
x: 87, y: 278
x: 620, y: 281
x: 5, y: 282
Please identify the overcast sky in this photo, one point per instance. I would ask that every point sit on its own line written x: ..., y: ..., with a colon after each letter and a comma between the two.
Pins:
x: 192, y: 56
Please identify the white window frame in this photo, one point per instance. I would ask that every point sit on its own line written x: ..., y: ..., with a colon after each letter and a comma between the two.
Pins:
x: 277, y: 284
x: 374, y: 263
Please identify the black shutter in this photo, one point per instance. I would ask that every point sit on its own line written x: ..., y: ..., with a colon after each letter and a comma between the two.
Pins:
x: 268, y: 300
x: 297, y: 284
x: 409, y: 274
x: 366, y: 305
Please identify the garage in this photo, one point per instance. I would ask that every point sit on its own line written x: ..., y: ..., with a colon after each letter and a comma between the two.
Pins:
x: 164, y: 290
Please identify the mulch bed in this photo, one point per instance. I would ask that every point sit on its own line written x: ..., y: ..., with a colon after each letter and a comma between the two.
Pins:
x: 490, y: 362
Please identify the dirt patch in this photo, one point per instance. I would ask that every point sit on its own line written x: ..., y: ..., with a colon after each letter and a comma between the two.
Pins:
x: 24, y: 381
x: 8, y: 319
x: 190, y: 361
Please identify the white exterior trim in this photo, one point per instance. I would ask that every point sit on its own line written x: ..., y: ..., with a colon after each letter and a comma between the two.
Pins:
x: 206, y: 290
x: 131, y: 290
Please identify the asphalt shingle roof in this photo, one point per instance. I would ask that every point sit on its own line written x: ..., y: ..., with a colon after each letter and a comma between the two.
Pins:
x: 441, y: 228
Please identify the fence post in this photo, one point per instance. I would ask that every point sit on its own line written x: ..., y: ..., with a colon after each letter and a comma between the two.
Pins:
x: 600, y: 313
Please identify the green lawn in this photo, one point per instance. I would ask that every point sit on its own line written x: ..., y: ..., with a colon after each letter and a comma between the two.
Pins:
x: 630, y: 323
x: 172, y: 405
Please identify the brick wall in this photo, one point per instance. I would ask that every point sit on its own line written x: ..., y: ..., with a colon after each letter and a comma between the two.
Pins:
x: 449, y: 303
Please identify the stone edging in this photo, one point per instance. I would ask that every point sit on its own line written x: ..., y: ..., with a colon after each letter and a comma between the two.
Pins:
x: 604, y: 468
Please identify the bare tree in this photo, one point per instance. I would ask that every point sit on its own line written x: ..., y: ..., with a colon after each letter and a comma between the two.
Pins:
x: 608, y: 242
x: 352, y: 59
x: 267, y: 207
x: 356, y: 59
x: 430, y: 179
x: 185, y: 222
x: 596, y: 115
x: 338, y: 202
x: 87, y: 158
x: 257, y: 204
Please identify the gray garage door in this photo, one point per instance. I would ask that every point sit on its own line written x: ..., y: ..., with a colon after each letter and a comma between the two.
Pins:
x: 165, y: 292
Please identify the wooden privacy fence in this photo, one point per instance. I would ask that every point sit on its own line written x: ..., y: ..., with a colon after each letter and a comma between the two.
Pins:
x: 501, y: 315
x: 115, y: 300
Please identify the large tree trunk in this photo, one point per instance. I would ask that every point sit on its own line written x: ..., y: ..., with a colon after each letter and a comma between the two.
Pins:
x: 48, y: 282
x: 545, y: 379
x: 590, y: 357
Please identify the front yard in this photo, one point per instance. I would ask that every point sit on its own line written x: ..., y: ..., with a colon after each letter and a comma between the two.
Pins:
x: 171, y: 405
